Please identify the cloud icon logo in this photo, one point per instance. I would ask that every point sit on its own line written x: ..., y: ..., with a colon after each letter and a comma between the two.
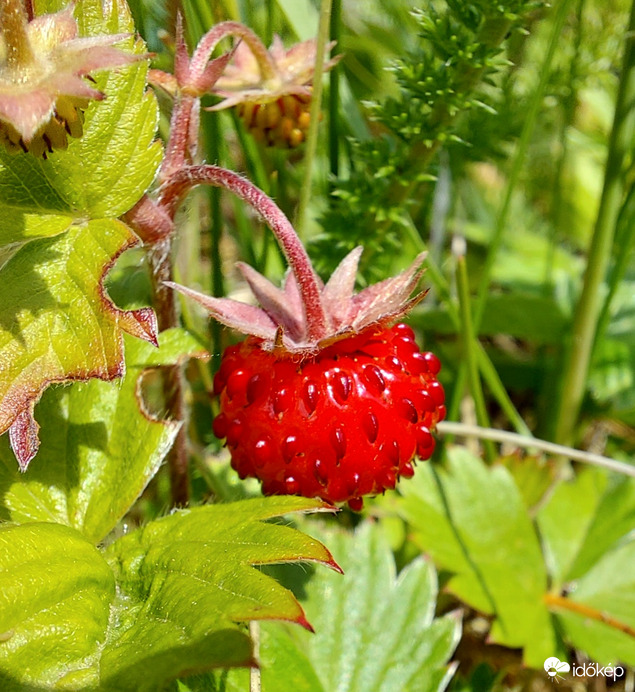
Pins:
x: 555, y: 667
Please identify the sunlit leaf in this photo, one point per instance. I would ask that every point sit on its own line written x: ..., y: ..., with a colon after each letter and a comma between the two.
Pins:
x: 473, y: 522
x: 168, y: 598
x: 55, y: 602
x: 184, y: 581
x: 99, y: 447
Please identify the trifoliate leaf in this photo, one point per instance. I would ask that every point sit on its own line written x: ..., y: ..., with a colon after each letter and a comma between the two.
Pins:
x: 375, y: 630
x: 473, y: 522
x: 99, y: 448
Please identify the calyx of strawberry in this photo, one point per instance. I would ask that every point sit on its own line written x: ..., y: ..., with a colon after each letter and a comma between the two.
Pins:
x: 282, y: 320
x: 305, y: 314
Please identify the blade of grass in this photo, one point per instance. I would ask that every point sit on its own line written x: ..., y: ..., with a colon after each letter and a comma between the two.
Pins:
x: 316, y: 106
x: 469, y: 352
x: 486, y: 367
x: 587, y: 313
x: 334, y: 92
x: 623, y: 251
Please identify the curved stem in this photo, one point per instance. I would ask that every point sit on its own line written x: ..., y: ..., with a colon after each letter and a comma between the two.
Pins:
x: 464, y: 430
x: 185, y: 179
x: 212, y: 38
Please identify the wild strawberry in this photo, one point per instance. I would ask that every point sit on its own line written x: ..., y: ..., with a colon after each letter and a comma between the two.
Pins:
x: 325, y: 398
x: 338, y: 425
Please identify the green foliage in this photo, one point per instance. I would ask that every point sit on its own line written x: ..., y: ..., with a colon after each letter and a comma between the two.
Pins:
x: 474, y: 523
x: 374, y: 630
x: 151, y: 606
x: 99, y: 449
x: 59, y: 236
x: 439, y: 79
x: 98, y: 594
x: 55, y: 607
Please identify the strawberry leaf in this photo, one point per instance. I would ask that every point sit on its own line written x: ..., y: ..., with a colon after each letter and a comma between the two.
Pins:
x: 473, y: 522
x: 55, y: 602
x: 166, y: 599
x: 185, y: 579
x: 58, y: 238
x: 600, y: 616
x: 99, y: 448
x: 374, y: 631
x: 587, y: 530
x: 56, y: 323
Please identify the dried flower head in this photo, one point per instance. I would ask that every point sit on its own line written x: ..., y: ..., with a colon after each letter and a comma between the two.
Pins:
x: 43, y: 66
x: 271, y: 88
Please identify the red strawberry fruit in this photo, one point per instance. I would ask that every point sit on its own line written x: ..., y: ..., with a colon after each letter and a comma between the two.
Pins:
x: 330, y: 395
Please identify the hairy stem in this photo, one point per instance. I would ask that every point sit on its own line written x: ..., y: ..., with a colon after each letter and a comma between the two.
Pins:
x: 184, y: 180
x: 160, y: 260
x: 214, y: 36
x: 176, y: 149
x: 589, y: 305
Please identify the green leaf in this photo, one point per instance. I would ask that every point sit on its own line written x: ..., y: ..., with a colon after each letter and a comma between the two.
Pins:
x: 605, y: 600
x: 374, y: 631
x: 56, y: 323
x: 586, y: 530
x: 473, y: 522
x: 533, y: 476
x: 58, y: 237
x: 184, y: 581
x: 284, y: 665
x: 585, y: 518
x: 612, y: 376
x: 99, y: 447
x: 54, y: 608
x: 522, y: 315
x: 179, y: 587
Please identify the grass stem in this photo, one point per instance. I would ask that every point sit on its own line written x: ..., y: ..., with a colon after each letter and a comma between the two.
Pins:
x: 316, y: 107
x: 588, y: 309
